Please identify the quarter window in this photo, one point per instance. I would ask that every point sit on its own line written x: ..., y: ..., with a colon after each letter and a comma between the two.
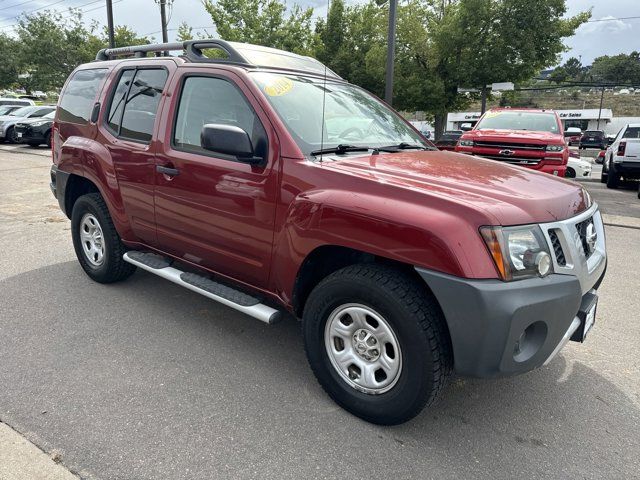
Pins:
x: 79, y: 96
x: 208, y: 100
x: 134, y: 104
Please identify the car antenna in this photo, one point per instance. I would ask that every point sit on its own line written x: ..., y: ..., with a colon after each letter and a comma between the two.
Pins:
x: 324, y: 93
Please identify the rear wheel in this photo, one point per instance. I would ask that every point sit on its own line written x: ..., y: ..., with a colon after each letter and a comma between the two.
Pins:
x: 613, y: 178
x: 377, y: 342
x: 96, y: 241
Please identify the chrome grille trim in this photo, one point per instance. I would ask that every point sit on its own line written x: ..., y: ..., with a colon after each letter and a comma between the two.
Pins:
x: 587, y: 268
x: 509, y: 145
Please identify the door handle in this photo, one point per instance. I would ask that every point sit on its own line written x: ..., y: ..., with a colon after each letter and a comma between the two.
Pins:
x: 171, y: 172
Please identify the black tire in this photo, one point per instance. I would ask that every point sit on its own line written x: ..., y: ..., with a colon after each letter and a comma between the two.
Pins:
x: 47, y: 139
x: 613, y: 178
x: 11, y: 136
x: 34, y: 144
x: 417, y: 322
x: 570, y: 173
x: 112, y: 268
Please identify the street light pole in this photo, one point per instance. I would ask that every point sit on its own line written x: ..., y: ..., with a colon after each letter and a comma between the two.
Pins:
x: 112, y: 42
x: 391, y: 50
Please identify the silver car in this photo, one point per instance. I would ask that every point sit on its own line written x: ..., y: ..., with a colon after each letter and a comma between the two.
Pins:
x: 7, y: 122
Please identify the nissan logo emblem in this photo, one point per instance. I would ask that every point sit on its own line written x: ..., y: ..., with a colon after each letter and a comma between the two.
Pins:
x: 506, y: 153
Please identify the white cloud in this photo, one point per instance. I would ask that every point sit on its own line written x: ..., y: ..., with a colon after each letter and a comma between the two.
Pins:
x: 608, y: 25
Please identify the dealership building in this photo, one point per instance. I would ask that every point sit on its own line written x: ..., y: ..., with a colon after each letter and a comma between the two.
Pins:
x: 587, y: 119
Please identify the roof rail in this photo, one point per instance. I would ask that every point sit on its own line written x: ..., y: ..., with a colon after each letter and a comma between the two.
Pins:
x: 192, y: 48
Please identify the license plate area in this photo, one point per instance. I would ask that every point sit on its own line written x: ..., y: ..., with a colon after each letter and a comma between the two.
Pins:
x: 587, y: 316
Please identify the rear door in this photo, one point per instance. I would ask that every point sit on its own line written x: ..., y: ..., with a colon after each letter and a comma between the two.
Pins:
x: 216, y: 211
x: 127, y: 131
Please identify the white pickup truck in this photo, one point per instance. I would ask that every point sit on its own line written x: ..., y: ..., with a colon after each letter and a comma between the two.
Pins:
x: 622, y: 159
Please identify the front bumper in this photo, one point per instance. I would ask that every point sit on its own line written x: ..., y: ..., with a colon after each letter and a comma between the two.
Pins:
x: 502, y: 328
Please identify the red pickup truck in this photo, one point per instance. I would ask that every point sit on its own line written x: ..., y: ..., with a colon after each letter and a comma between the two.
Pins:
x: 262, y: 180
x: 527, y: 137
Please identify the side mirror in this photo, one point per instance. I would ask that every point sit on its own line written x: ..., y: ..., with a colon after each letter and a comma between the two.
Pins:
x: 465, y: 127
x: 228, y: 140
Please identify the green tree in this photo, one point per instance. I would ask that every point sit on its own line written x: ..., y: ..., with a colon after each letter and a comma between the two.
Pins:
x: 618, y: 68
x: 263, y: 22
x: 9, y: 64
x: 185, y: 32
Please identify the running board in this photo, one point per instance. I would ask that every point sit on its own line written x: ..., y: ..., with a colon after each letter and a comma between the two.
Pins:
x: 228, y: 296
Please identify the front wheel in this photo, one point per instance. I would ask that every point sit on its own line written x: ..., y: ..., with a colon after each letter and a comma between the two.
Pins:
x: 570, y: 173
x: 377, y: 342
x: 96, y: 241
x: 12, y: 136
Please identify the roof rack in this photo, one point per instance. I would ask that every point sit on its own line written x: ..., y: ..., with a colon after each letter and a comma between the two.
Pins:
x: 237, y: 53
x: 192, y: 49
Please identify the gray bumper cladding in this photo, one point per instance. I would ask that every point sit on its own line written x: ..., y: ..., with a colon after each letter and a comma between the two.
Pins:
x: 487, y: 320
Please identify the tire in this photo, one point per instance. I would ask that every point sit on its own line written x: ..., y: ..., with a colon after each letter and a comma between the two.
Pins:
x: 109, y: 266
x: 33, y: 144
x: 396, y: 303
x: 10, y: 136
x: 570, y: 173
x: 47, y: 139
x: 613, y: 179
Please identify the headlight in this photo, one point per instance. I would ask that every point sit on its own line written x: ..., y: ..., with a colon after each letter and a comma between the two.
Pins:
x: 518, y: 252
x: 555, y: 148
x: 466, y: 143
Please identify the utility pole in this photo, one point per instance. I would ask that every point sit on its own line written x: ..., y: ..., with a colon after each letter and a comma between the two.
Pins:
x: 112, y: 42
x: 391, y: 50
x: 483, y: 101
x: 163, y: 19
x: 600, y: 111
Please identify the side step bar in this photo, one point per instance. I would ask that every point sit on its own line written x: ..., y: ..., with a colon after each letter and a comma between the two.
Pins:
x: 216, y: 291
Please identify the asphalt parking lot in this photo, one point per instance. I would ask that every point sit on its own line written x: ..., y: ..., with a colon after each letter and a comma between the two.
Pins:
x: 145, y: 380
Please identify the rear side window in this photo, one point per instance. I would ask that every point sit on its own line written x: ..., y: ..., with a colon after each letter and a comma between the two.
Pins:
x: 134, y: 103
x: 632, y: 132
x: 80, y: 95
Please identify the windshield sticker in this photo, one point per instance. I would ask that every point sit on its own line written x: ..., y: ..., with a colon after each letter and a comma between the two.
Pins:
x: 278, y: 86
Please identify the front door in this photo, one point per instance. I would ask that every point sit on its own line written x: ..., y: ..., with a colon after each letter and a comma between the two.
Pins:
x: 214, y: 210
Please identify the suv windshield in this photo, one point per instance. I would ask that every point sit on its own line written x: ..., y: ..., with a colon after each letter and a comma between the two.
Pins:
x: 351, y: 115
x: 537, y: 122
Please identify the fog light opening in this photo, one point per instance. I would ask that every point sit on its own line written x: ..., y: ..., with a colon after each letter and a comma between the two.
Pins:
x: 530, y: 341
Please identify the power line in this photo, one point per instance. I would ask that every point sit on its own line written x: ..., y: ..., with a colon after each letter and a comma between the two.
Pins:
x: 612, y: 19
x: 78, y: 7
x: 16, y: 4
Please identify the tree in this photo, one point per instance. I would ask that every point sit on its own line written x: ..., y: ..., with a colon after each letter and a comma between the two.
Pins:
x: 263, y: 22
x: 9, y: 64
x: 618, y: 68
x: 185, y: 32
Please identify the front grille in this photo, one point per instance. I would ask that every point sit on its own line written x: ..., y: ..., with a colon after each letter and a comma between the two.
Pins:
x: 515, y: 160
x: 582, y: 231
x: 509, y: 145
x: 557, y: 248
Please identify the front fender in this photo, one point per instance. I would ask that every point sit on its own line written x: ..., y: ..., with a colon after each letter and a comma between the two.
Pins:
x: 406, y: 232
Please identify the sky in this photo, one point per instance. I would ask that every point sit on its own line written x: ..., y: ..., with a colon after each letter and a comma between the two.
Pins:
x: 590, y: 41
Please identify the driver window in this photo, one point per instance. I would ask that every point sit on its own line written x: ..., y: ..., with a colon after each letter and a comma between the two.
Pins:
x: 207, y: 100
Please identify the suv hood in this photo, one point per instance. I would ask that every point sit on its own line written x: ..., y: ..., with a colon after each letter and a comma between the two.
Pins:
x: 509, y: 194
x: 514, y: 135
x: 4, y: 118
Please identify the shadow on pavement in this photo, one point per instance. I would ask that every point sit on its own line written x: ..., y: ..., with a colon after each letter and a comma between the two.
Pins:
x: 144, y: 379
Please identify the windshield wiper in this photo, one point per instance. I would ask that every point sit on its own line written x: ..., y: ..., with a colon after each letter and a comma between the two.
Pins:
x: 402, y: 146
x: 341, y: 150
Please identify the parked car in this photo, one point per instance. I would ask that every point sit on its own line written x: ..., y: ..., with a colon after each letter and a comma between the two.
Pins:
x: 448, y: 140
x: 7, y: 109
x: 35, y: 131
x: 403, y: 263
x: 573, y: 135
x: 600, y: 157
x: 593, y: 139
x: 610, y: 139
x: 622, y: 159
x: 20, y: 102
x: 7, y: 122
x: 527, y: 137
x: 576, y: 166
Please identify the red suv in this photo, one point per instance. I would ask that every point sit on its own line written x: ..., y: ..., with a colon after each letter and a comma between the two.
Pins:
x: 521, y: 136
x: 262, y: 180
